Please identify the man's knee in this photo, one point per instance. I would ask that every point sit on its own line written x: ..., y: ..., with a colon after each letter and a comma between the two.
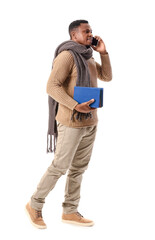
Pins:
x: 56, y: 170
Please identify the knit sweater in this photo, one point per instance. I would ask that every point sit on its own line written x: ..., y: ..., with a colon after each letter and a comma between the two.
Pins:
x: 61, y: 82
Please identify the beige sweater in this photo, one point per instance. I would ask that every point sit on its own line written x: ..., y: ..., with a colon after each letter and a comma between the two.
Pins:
x: 62, y: 80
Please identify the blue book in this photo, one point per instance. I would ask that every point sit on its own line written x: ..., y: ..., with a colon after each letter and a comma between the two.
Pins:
x: 84, y: 94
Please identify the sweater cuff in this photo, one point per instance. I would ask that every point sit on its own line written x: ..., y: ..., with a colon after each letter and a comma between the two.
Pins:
x: 105, y: 58
x: 72, y: 104
x: 105, y: 54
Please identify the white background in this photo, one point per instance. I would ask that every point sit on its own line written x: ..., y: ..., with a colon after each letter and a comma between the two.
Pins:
x: 118, y: 187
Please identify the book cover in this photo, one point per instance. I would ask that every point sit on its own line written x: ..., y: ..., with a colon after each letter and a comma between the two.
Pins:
x: 84, y: 94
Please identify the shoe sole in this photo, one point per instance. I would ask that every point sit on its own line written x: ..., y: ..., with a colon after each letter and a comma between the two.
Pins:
x: 78, y: 223
x: 34, y: 224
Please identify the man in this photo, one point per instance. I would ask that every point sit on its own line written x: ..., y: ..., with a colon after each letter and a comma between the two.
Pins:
x: 73, y: 66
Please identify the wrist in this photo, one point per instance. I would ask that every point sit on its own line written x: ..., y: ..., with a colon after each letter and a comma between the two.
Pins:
x: 76, y: 107
x: 103, y: 52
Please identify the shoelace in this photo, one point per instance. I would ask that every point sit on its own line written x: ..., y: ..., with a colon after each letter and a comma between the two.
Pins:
x: 38, y: 213
x: 79, y: 214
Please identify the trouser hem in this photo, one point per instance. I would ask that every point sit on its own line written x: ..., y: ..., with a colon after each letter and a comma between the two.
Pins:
x: 35, y: 206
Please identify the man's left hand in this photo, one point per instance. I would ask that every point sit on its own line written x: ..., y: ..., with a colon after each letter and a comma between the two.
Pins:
x: 101, y: 48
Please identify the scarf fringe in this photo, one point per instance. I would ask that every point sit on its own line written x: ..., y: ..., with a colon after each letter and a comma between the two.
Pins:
x: 51, y: 142
x: 80, y: 115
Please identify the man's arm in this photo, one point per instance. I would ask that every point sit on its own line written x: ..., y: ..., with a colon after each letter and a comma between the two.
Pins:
x: 104, y: 70
x: 60, y: 72
x: 61, y: 69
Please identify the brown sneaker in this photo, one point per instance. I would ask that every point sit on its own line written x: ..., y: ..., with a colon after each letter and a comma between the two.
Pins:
x: 35, y: 217
x: 76, y: 218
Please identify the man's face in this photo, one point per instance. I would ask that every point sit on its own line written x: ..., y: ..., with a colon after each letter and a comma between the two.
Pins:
x: 83, y: 34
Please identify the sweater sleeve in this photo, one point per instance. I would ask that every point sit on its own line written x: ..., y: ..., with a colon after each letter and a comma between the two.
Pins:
x: 62, y: 67
x: 104, y: 70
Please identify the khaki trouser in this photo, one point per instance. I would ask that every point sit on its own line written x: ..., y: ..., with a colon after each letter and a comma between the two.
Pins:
x: 73, y: 152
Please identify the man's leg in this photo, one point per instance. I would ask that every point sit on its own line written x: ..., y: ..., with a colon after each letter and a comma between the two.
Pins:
x: 77, y: 168
x: 67, y: 144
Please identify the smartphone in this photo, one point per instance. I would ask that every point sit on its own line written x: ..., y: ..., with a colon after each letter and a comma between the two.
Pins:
x: 94, y: 41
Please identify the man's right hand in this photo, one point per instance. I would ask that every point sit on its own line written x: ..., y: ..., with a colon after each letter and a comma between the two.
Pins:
x: 84, y: 107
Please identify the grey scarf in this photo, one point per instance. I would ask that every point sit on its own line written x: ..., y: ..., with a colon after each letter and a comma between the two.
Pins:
x: 80, y: 54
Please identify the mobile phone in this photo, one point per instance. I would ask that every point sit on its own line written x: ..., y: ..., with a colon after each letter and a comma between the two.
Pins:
x: 94, y: 41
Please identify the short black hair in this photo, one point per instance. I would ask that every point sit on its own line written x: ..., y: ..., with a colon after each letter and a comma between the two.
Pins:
x: 75, y: 24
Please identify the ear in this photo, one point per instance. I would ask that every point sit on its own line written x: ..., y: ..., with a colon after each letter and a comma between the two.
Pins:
x: 73, y: 35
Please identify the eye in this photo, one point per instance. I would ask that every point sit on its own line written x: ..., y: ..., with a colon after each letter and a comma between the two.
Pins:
x: 88, y: 31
